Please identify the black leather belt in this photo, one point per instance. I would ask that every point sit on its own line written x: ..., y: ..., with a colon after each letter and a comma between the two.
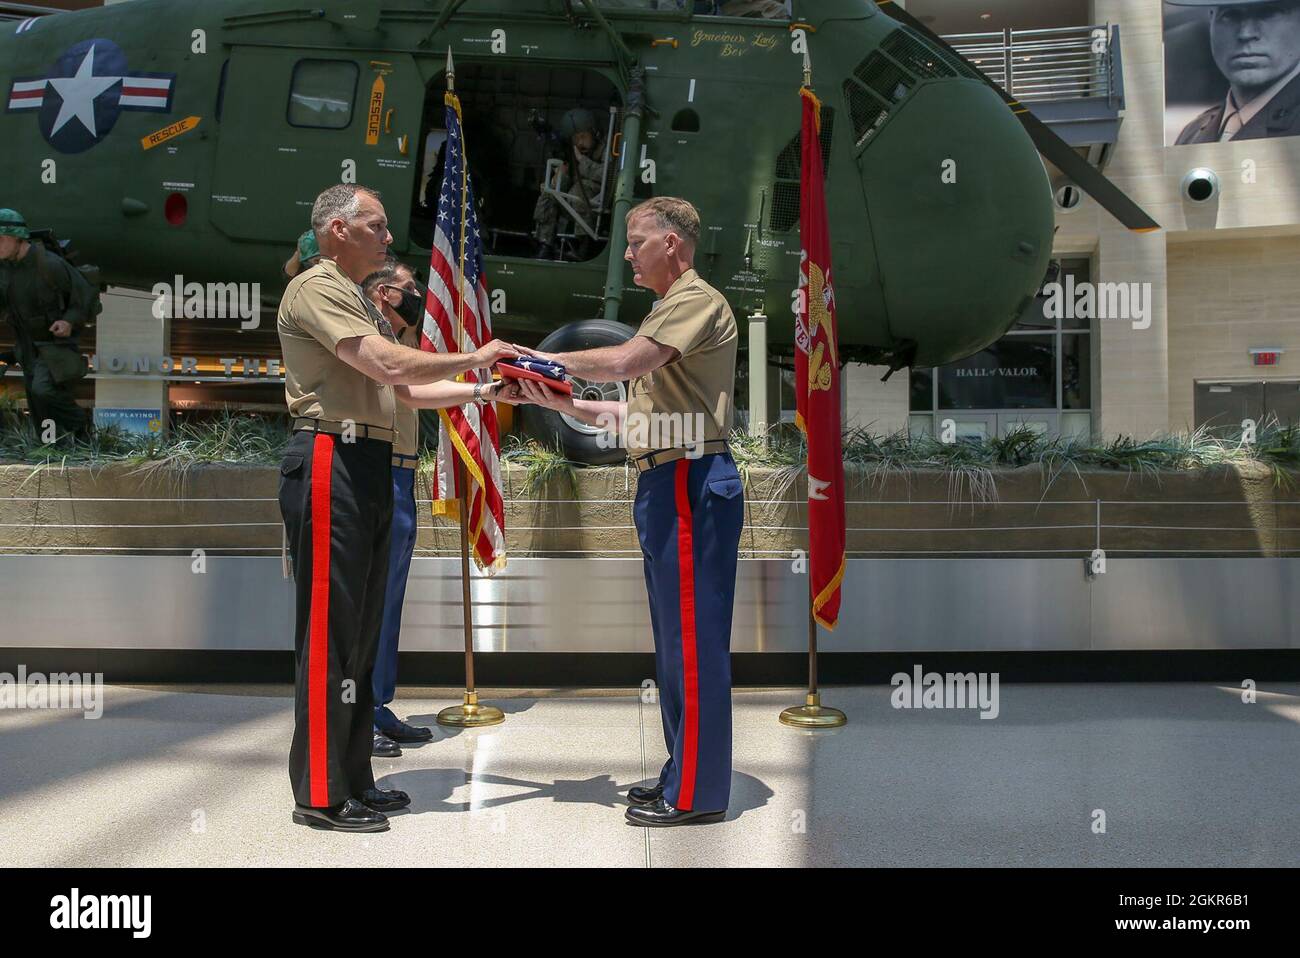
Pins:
x: 359, y: 429
x: 659, y: 457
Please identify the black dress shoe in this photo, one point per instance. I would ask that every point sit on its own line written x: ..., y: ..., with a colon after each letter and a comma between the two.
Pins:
x: 401, y: 732
x: 640, y: 795
x: 384, y: 747
x: 351, y: 816
x: 659, y: 814
x: 385, y: 799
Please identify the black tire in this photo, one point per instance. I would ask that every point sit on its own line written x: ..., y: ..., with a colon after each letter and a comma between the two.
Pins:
x: 547, y: 426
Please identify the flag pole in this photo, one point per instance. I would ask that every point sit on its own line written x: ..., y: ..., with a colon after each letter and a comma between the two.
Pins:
x: 469, y: 714
x: 812, y: 714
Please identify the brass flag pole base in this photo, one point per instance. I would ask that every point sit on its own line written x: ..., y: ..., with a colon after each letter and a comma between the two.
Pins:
x: 471, y: 714
x: 812, y: 714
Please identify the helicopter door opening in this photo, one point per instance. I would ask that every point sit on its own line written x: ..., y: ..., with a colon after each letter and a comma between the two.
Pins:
x: 542, y: 165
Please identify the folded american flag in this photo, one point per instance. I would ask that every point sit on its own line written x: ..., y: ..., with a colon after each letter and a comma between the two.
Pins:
x: 544, y: 367
x: 549, y: 374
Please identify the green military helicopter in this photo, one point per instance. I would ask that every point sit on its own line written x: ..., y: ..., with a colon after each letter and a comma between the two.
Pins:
x: 174, y: 137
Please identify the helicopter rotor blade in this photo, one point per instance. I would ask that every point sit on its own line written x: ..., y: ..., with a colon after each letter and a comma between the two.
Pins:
x: 1049, y: 144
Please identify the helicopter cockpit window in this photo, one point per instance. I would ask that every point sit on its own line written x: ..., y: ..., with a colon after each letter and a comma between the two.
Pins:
x: 542, y: 144
x: 651, y: 6
x: 766, y: 9
x: 322, y: 93
x: 787, y: 184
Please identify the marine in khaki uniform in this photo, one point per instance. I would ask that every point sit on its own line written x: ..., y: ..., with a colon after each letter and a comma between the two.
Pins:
x: 689, y: 503
x: 344, y: 375
x: 400, y: 300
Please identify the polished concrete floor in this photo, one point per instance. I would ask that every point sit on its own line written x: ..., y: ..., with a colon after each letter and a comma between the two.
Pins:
x: 1126, y: 775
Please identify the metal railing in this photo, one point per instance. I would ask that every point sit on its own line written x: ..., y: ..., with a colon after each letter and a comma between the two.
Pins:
x: 1061, y: 63
x: 1071, y: 527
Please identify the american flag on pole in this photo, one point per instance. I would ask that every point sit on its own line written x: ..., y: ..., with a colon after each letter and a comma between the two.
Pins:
x: 457, y: 319
x: 817, y: 380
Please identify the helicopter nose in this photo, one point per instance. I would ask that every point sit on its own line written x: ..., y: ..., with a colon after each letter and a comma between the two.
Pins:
x: 961, y: 217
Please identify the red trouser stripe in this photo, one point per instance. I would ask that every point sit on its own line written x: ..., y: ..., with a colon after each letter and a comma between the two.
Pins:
x: 690, y: 665
x: 318, y: 649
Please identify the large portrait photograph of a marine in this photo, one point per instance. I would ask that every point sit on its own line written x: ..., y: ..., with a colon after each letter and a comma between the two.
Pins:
x: 1232, y: 70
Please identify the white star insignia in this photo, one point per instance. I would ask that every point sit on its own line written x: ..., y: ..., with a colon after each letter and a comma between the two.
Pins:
x: 79, y: 94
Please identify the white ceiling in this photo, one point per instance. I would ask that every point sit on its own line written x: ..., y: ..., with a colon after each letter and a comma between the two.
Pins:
x: 963, y: 16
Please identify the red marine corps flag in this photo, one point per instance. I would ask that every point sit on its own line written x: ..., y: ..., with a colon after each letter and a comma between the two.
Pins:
x: 458, y: 319
x: 817, y: 380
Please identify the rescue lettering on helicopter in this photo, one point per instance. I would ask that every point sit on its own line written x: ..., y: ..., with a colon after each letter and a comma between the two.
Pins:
x: 376, y: 108
x: 376, y: 111
x: 169, y: 132
x: 89, y: 86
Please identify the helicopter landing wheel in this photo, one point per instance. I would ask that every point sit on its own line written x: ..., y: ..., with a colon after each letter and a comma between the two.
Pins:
x: 577, y: 440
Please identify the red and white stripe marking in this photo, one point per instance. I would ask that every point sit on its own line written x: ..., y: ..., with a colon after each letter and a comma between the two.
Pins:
x: 27, y: 95
x: 146, y: 92
x: 141, y: 93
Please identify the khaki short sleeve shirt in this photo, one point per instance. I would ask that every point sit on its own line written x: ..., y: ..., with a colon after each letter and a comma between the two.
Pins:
x: 689, y: 400
x: 322, y: 307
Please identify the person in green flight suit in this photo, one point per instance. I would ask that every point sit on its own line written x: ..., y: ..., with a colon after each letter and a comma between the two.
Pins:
x: 583, y: 189
x: 47, y: 303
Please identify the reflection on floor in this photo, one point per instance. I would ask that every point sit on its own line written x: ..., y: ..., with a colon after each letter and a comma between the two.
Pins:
x: 1184, y: 775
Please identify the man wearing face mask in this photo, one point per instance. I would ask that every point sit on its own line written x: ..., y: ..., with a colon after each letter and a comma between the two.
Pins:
x: 400, y: 300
